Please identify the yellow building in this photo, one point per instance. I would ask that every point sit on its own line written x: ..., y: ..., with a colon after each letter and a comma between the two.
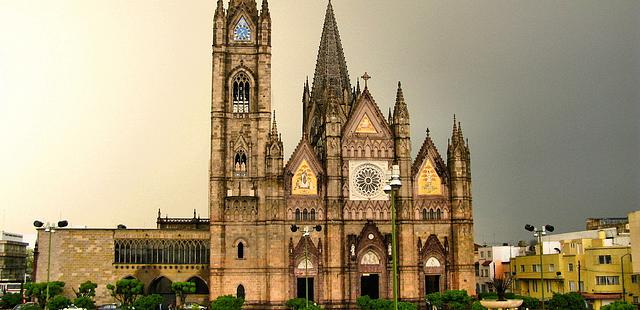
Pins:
x: 592, y: 267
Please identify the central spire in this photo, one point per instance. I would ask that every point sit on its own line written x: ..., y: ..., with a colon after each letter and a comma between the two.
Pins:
x: 331, y: 68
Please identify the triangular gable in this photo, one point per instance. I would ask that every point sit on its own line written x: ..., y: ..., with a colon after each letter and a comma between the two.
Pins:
x: 366, y: 119
x: 304, y: 169
x: 429, y: 170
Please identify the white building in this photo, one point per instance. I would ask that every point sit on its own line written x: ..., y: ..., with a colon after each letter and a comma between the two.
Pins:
x: 492, y: 260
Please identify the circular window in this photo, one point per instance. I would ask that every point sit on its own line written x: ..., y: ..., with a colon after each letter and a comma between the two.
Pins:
x: 368, y: 180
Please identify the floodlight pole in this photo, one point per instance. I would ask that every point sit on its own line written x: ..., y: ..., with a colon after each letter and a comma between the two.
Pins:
x: 391, y: 188
x: 539, y: 233
x: 50, y: 229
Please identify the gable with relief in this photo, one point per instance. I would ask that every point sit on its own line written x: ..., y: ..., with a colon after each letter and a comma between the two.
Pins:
x: 365, y: 125
x: 304, y: 181
x: 429, y: 183
x: 366, y: 120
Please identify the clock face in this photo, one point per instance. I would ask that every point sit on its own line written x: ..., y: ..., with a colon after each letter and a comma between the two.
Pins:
x: 242, y: 32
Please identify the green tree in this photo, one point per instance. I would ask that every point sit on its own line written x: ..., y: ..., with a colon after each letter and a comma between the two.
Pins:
x: 528, y: 302
x: 182, y: 289
x: 38, y: 291
x: 300, y: 304
x: 84, y: 302
x: 10, y: 300
x: 149, y: 302
x: 366, y: 303
x: 619, y: 305
x: 227, y: 302
x: 86, y: 289
x: 29, y: 263
x: 453, y: 299
x: 126, y: 291
x: 58, y: 302
x: 568, y: 301
x: 31, y: 307
x: 477, y: 306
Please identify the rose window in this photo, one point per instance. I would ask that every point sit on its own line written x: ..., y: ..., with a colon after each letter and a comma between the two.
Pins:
x: 368, y: 180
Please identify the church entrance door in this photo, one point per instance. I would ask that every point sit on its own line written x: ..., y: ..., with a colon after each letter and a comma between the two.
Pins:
x: 301, y: 288
x: 370, y: 285
x: 432, y: 284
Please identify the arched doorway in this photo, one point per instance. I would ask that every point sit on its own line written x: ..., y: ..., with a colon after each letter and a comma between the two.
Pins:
x: 201, y: 286
x: 371, y: 270
x: 162, y: 287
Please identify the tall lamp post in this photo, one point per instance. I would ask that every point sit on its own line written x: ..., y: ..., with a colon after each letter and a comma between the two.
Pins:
x: 539, y: 233
x: 306, y: 233
x: 50, y: 229
x: 390, y: 189
x: 624, y: 292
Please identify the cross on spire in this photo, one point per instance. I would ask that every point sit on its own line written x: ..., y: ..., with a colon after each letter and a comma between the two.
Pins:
x: 365, y: 77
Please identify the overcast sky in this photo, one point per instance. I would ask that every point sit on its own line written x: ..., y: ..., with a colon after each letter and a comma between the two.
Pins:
x: 104, y: 104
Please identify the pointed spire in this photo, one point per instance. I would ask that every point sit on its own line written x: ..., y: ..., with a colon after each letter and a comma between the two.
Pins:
x: 219, y: 9
x: 389, y: 118
x: 331, y: 67
x: 265, y: 8
x: 428, y: 133
x: 274, y: 126
x: 400, y: 111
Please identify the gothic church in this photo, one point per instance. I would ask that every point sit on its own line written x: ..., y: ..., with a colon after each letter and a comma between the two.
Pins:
x: 334, y: 178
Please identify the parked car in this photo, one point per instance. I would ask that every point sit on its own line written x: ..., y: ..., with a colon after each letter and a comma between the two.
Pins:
x: 108, y: 307
x: 192, y: 306
x: 20, y: 306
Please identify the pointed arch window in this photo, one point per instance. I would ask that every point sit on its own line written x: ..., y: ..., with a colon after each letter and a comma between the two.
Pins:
x: 298, y: 214
x: 438, y: 214
x: 240, y: 291
x: 305, y: 215
x: 313, y: 214
x: 240, y: 162
x: 432, y: 214
x: 424, y: 214
x: 241, y: 93
x: 241, y: 250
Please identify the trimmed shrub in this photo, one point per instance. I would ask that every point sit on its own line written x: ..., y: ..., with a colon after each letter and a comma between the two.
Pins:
x: 227, y: 302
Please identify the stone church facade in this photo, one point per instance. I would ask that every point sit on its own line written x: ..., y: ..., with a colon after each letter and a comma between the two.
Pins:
x: 334, y: 178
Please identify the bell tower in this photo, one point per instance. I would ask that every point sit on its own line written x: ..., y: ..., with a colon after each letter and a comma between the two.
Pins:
x: 242, y: 137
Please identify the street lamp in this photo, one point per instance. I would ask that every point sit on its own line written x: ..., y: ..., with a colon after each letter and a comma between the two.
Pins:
x: 624, y: 292
x: 50, y: 229
x: 390, y: 189
x: 539, y: 233
x: 305, y: 233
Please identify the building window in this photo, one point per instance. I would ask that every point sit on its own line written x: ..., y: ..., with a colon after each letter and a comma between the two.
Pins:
x: 432, y: 214
x: 424, y: 214
x: 535, y: 268
x: 438, y: 214
x: 240, y: 291
x: 548, y: 286
x: 240, y: 250
x: 607, y: 280
x: 634, y: 278
x: 240, y: 162
x: 581, y: 286
x: 604, y: 259
x: 534, y: 285
x: 552, y: 267
x: 636, y: 299
x: 481, y: 254
x: 570, y: 266
x: 161, y: 251
x: 298, y: 215
x: 477, y: 265
x: 241, y: 93
x: 305, y: 215
x: 572, y: 286
x: 489, y: 254
x: 313, y: 214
